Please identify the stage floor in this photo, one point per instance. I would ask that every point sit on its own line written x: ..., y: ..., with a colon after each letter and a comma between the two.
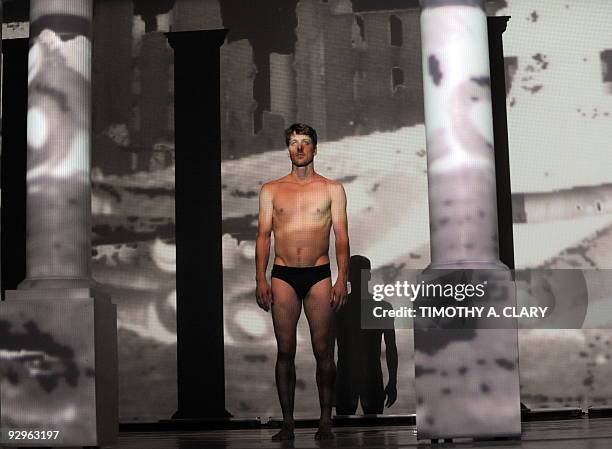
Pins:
x: 564, y: 434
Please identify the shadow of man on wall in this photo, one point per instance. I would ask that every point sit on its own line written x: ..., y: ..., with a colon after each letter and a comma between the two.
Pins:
x: 359, y: 377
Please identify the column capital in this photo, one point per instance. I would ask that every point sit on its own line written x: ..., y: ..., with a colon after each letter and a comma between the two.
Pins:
x: 209, y: 38
x: 500, y: 23
x: 64, y: 17
x: 436, y: 3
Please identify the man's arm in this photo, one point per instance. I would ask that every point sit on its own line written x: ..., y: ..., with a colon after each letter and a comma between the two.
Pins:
x: 340, y: 225
x: 391, y: 358
x: 263, y: 292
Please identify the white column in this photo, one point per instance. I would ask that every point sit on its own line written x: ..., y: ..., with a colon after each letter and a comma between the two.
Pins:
x: 59, y: 312
x: 59, y: 144
x: 462, y: 388
x: 458, y: 122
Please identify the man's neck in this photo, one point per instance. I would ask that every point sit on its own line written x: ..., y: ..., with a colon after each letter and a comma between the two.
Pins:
x: 303, y: 174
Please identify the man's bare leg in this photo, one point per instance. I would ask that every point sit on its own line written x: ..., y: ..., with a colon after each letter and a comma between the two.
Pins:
x: 285, y: 315
x: 321, y: 320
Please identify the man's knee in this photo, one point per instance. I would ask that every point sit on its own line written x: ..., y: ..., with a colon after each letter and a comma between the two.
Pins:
x: 286, y: 350
x: 323, y: 352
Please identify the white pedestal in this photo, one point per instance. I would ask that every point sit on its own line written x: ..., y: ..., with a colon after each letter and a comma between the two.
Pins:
x: 467, y: 372
x: 59, y: 365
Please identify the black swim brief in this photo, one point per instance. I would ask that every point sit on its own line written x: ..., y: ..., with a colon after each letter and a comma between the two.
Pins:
x: 301, y: 278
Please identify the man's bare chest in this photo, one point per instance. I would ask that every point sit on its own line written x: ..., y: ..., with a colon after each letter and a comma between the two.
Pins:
x: 302, y: 203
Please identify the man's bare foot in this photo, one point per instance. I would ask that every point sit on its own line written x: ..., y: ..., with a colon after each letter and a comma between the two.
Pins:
x: 286, y: 433
x: 324, y: 432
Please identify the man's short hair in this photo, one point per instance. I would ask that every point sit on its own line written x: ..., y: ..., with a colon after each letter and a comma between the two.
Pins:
x: 301, y: 128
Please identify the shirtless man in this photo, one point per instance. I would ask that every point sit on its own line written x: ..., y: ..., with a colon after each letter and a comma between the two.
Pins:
x: 300, y: 209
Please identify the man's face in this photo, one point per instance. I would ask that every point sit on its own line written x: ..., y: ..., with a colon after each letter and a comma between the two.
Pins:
x: 301, y: 150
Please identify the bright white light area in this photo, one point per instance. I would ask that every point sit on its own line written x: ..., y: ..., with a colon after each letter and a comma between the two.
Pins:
x: 164, y: 256
x: 34, y: 62
x: 38, y: 128
x: 252, y: 322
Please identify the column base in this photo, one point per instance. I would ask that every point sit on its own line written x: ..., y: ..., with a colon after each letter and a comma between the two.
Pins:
x: 59, y: 347
x: 466, y: 371
x: 47, y: 283
x: 468, y: 265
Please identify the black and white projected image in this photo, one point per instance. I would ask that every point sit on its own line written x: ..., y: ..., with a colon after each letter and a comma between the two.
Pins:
x: 381, y: 162
x: 352, y: 70
x: 134, y: 251
x: 559, y: 112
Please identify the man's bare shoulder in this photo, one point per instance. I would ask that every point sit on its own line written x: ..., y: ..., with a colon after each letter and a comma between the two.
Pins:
x: 270, y: 187
x: 334, y: 187
x: 330, y: 184
x: 274, y: 183
x: 267, y: 191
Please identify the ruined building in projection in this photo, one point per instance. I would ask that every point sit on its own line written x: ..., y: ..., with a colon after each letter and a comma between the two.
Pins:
x: 347, y: 68
x: 377, y: 52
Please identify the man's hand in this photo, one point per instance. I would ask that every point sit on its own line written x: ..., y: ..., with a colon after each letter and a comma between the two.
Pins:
x: 390, y: 394
x: 263, y: 293
x: 338, y: 295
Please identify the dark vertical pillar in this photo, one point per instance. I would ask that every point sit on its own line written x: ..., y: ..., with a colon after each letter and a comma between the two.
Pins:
x: 199, y: 270
x: 1, y: 22
x: 496, y: 27
x: 154, y: 79
x: 14, y: 151
x: 112, y: 62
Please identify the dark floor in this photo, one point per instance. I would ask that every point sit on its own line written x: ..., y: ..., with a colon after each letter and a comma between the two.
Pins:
x: 565, y: 434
